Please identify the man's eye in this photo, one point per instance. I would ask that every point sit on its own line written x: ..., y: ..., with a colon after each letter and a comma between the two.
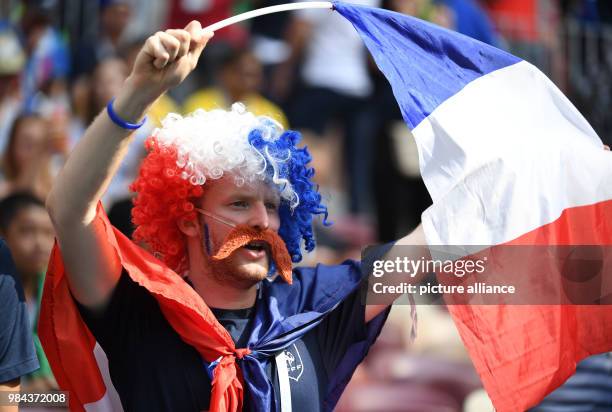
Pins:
x: 272, y: 206
x: 240, y: 203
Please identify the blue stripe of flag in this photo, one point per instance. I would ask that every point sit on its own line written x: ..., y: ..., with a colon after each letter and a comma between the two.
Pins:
x: 425, y: 64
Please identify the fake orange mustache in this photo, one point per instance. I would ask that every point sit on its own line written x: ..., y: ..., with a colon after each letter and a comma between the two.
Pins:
x: 242, y: 235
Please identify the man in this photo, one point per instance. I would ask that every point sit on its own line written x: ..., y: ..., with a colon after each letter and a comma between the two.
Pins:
x: 27, y: 229
x: 225, y: 200
x: 17, y: 356
x: 114, y: 18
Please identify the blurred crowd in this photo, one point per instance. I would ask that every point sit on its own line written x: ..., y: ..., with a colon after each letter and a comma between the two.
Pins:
x: 61, y: 61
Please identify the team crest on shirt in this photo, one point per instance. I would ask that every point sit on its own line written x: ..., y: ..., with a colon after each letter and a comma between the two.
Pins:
x: 295, y: 367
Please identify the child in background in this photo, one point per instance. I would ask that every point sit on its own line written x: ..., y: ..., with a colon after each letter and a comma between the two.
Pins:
x: 27, y: 230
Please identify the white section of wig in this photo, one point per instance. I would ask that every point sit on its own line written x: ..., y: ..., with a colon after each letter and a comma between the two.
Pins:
x: 212, y: 143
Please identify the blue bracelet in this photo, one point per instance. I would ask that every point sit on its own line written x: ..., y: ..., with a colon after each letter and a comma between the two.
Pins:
x: 119, y: 121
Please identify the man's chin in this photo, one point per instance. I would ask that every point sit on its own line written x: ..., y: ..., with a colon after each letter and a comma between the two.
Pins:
x: 252, y: 271
x: 245, y: 275
x: 241, y: 273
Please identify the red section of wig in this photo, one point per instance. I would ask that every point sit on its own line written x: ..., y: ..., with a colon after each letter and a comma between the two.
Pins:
x: 162, y: 198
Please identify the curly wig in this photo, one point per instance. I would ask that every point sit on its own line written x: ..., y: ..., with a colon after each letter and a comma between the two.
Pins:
x: 187, y: 151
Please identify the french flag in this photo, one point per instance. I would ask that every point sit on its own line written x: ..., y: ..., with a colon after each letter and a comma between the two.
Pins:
x: 507, y: 160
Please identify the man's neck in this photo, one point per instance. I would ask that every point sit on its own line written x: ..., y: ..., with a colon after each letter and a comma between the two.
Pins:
x: 223, y: 296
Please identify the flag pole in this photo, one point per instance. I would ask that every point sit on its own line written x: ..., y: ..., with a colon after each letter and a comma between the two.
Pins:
x: 268, y: 10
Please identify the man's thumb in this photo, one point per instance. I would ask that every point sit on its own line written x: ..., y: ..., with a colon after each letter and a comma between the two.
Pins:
x: 199, y: 38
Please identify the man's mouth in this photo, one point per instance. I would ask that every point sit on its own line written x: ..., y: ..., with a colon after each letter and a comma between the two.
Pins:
x: 258, y: 245
x: 257, y: 250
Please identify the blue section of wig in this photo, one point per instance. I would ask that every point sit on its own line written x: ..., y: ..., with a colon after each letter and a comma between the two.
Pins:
x: 287, y: 167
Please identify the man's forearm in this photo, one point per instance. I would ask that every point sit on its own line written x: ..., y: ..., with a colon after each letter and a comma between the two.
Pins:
x: 416, y: 238
x: 95, y: 159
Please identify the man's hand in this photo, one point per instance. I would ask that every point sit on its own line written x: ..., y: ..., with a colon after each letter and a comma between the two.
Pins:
x: 168, y: 57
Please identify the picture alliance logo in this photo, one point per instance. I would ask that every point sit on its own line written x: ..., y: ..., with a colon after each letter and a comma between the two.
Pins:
x: 413, y: 267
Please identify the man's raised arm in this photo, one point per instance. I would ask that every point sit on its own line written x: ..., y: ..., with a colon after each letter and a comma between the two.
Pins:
x: 92, y: 266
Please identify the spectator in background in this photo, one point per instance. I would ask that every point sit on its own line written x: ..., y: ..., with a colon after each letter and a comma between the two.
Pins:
x: 27, y: 161
x: 17, y: 355
x: 593, y: 11
x: 335, y: 86
x: 467, y: 17
x: 47, y: 67
x: 27, y: 229
x: 423, y: 9
x: 531, y: 29
x: 106, y: 83
x: 587, y: 28
x: 114, y: 18
x: 12, y: 61
x: 207, y: 12
x: 517, y: 20
x: 238, y: 80
x: 106, y: 79
x: 605, y: 11
x: 268, y: 40
x: 148, y: 16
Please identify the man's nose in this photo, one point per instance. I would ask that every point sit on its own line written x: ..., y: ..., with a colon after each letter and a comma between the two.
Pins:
x: 259, y: 217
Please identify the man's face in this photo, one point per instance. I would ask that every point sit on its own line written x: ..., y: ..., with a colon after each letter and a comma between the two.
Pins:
x: 253, y: 205
x: 30, y: 238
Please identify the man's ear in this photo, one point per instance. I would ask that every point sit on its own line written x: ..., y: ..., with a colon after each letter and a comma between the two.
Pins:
x: 190, y: 228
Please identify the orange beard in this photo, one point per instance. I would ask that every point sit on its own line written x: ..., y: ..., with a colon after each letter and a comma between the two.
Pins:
x: 241, y: 235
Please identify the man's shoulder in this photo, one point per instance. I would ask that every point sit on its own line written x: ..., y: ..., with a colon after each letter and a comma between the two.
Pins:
x: 323, y: 269
x: 324, y: 275
x: 315, y: 288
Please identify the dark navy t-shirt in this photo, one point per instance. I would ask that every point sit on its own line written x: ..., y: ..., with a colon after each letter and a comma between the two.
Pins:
x: 154, y: 370
x: 17, y: 355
